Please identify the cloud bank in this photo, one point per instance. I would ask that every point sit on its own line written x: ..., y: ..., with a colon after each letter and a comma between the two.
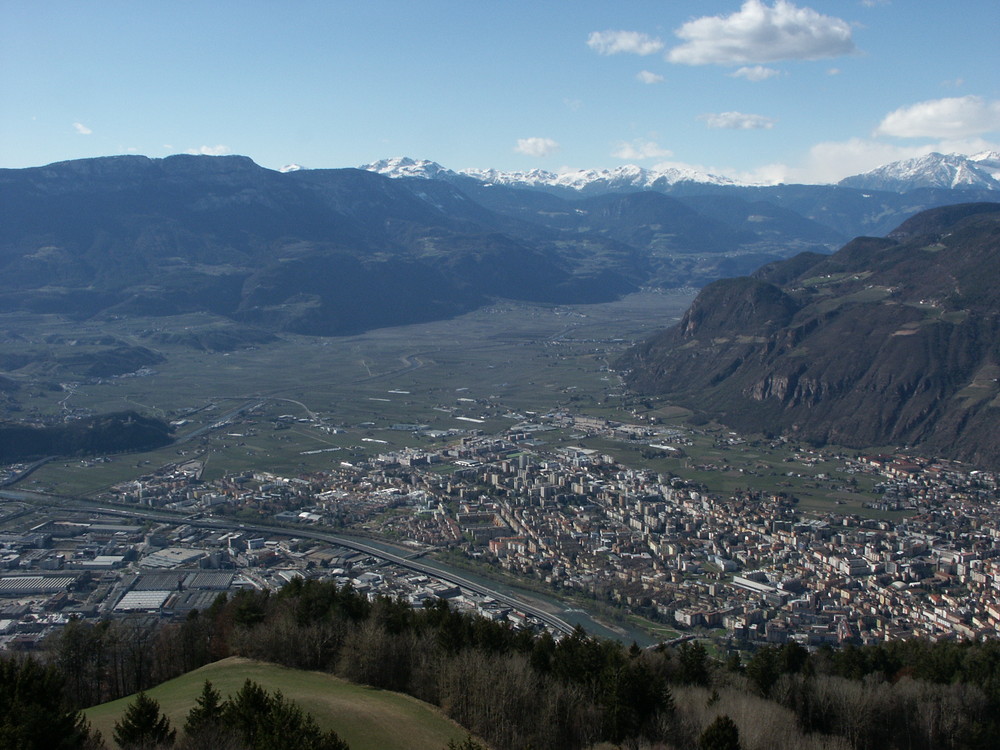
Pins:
x: 640, y: 149
x: 536, y: 146
x: 957, y: 117
x: 209, y: 150
x: 759, y: 33
x: 632, y: 42
x: 737, y: 121
x: 755, y: 73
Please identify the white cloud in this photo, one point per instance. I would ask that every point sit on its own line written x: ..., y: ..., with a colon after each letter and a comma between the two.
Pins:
x: 647, y: 76
x: 81, y: 128
x: 832, y: 161
x: 759, y: 33
x: 640, y: 149
x: 573, y: 104
x: 737, y: 121
x: 209, y: 150
x: 755, y: 73
x: 957, y: 117
x: 536, y: 146
x: 633, y: 42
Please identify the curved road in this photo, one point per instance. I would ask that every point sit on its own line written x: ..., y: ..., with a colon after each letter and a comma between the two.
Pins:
x: 219, y: 523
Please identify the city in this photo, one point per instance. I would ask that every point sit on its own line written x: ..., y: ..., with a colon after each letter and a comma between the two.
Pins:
x: 744, y: 566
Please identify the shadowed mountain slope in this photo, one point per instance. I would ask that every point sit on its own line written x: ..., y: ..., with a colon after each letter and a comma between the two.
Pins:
x: 322, y: 252
x: 889, y: 340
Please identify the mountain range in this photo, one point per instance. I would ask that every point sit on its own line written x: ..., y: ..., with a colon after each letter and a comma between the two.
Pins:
x: 951, y: 171
x: 889, y: 341
x: 339, y: 251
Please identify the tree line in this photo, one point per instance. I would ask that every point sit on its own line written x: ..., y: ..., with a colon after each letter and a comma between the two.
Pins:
x: 519, y: 689
x: 252, y: 719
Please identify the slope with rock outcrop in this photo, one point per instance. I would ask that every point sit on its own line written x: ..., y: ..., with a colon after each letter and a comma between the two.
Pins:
x: 891, y: 340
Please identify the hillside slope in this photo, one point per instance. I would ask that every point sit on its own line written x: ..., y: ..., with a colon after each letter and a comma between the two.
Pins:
x: 316, y: 252
x: 366, y: 718
x: 890, y: 340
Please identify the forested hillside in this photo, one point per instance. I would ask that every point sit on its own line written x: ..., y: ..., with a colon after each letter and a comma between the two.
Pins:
x: 517, y: 689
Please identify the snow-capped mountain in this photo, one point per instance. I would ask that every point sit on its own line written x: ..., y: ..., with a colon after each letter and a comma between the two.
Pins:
x: 628, y: 177
x: 954, y: 171
x: 988, y: 161
x: 404, y: 166
x: 948, y: 171
x: 625, y: 178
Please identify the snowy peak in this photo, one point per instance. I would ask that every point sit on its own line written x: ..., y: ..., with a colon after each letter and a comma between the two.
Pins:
x: 988, y: 161
x: 624, y: 178
x: 404, y: 166
x: 627, y: 177
x: 951, y: 171
x: 948, y: 171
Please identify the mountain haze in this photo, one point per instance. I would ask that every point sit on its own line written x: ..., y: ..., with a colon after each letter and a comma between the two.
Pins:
x: 312, y: 251
x: 340, y: 251
x: 873, y: 203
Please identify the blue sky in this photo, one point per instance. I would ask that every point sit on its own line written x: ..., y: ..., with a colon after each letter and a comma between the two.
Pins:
x: 772, y: 90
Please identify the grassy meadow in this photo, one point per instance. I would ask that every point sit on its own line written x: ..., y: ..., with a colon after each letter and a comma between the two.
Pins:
x: 366, y: 718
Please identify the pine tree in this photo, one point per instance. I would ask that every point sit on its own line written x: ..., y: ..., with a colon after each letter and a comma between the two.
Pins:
x: 721, y: 734
x: 33, y: 715
x: 467, y: 744
x: 270, y: 722
x: 143, y: 727
x: 207, y: 710
x: 694, y: 663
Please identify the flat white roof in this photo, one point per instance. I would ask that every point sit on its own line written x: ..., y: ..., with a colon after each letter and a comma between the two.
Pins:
x: 142, y: 600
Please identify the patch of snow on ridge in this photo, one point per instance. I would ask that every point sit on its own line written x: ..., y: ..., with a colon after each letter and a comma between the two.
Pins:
x: 404, y: 166
x: 933, y: 170
x: 627, y: 176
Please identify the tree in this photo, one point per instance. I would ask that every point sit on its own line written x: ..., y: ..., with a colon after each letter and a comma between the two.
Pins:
x: 245, y: 711
x: 33, y: 715
x: 207, y: 711
x: 721, y: 734
x: 467, y: 744
x: 694, y: 663
x: 78, y: 651
x: 764, y: 669
x: 143, y: 727
x: 288, y: 727
x: 270, y: 722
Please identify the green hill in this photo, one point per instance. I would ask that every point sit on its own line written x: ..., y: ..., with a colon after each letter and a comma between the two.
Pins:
x: 366, y: 718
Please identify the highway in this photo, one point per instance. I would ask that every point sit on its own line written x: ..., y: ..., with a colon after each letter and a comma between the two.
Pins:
x: 302, y: 533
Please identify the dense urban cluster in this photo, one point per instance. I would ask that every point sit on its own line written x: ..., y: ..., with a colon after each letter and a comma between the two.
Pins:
x: 746, y: 565
x: 749, y: 563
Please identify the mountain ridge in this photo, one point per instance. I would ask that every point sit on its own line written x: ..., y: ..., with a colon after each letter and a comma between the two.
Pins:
x: 891, y: 340
x: 340, y: 251
x: 979, y: 171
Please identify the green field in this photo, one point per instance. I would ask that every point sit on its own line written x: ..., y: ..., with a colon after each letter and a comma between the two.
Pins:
x: 490, y: 365
x: 366, y: 718
x: 507, y: 358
